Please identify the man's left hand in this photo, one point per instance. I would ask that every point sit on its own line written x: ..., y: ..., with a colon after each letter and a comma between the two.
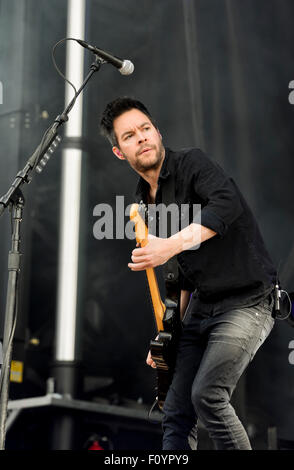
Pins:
x: 157, y: 252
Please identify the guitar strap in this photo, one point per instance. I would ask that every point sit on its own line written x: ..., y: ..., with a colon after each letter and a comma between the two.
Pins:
x: 170, y: 268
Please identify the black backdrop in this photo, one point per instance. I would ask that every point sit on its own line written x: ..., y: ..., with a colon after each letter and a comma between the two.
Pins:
x: 215, y: 74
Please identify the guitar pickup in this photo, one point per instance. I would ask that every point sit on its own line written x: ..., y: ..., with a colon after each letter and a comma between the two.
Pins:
x: 159, y: 350
x: 171, y: 320
x: 163, y: 337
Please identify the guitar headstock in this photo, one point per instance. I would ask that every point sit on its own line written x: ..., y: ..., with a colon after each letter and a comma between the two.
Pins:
x: 138, y: 215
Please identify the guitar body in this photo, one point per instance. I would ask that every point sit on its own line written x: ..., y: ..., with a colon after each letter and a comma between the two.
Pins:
x: 163, y: 349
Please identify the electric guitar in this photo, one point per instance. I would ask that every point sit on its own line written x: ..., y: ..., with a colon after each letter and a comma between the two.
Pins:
x: 167, y: 318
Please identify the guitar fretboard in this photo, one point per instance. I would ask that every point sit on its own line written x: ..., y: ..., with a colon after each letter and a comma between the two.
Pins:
x: 142, y: 238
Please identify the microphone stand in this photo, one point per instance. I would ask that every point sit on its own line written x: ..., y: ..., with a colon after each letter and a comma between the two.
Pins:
x: 15, y: 201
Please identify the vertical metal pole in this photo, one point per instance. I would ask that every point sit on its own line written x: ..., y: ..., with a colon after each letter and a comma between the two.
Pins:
x: 70, y: 195
x: 66, y: 368
x: 10, y: 313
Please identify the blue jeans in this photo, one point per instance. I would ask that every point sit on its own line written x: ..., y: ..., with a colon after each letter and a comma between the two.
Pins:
x: 213, y: 353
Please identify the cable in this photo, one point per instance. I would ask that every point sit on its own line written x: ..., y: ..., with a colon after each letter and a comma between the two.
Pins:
x: 277, y: 302
x: 67, y: 80
x: 55, y: 64
x: 281, y: 317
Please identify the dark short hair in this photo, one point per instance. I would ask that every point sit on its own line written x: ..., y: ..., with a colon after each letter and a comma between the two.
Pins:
x: 114, y: 109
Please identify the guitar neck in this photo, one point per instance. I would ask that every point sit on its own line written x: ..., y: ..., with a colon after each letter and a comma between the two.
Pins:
x: 158, y: 305
x: 142, y: 238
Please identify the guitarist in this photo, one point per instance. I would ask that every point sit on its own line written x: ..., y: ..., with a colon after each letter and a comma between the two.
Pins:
x: 225, y: 272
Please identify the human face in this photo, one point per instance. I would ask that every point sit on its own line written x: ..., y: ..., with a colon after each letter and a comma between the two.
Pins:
x: 139, y: 142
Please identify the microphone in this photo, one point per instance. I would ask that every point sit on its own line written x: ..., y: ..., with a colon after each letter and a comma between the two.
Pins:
x: 125, y: 67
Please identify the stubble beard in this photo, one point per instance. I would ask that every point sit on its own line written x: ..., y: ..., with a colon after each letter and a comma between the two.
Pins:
x: 144, y: 166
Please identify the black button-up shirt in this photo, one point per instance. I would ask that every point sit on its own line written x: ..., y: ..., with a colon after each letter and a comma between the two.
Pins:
x: 233, y: 268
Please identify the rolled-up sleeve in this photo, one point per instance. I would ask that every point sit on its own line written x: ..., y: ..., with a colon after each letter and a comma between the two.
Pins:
x: 222, y: 204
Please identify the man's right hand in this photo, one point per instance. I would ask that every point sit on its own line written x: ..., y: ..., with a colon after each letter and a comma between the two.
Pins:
x: 150, y: 361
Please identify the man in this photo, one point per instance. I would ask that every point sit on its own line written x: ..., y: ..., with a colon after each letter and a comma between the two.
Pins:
x: 230, y: 276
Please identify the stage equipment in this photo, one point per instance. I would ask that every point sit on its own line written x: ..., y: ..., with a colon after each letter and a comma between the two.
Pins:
x: 14, y: 200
